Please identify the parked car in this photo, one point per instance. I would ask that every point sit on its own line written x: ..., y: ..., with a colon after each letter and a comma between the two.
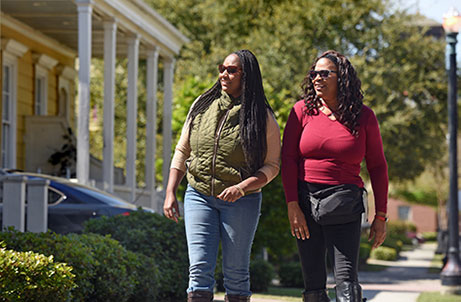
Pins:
x: 70, y: 204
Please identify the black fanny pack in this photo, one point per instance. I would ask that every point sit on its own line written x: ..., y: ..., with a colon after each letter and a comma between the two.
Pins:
x: 336, y: 204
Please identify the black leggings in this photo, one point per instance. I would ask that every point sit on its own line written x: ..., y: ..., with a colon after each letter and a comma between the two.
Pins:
x: 342, y: 242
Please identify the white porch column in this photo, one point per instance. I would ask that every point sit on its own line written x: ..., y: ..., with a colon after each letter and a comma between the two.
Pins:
x: 132, y: 109
x: 110, y: 33
x: 168, y: 74
x: 151, y: 127
x: 84, y: 55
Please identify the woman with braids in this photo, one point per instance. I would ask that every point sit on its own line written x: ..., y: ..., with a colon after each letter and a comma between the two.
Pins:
x: 328, y: 134
x: 229, y: 148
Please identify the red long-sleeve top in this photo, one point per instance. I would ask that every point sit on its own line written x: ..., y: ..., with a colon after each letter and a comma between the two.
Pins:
x: 317, y: 149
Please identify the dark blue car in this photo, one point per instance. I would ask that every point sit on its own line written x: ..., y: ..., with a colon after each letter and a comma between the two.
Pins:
x: 71, y: 204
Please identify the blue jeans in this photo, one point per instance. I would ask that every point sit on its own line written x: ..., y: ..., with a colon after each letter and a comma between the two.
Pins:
x: 209, y: 220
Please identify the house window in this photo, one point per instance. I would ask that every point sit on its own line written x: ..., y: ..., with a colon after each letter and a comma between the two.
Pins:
x: 41, y: 95
x: 8, y: 115
x: 404, y: 213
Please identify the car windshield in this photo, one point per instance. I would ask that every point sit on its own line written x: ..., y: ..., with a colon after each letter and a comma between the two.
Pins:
x: 96, y: 194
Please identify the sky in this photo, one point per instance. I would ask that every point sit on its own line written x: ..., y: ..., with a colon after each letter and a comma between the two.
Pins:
x: 434, y: 9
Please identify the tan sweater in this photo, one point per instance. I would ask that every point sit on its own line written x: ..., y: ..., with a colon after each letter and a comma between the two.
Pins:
x: 271, y: 163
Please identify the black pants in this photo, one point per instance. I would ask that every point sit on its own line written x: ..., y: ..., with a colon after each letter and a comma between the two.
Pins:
x: 342, y: 241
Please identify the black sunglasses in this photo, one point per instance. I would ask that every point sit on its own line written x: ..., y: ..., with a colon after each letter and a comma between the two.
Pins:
x: 230, y: 69
x: 323, y: 73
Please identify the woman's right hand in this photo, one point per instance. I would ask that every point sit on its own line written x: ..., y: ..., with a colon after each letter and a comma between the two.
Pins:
x: 298, y: 223
x: 171, y: 208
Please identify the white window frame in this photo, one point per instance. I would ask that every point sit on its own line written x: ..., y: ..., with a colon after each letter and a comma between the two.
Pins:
x: 41, y: 90
x: 8, y: 151
x: 406, y: 209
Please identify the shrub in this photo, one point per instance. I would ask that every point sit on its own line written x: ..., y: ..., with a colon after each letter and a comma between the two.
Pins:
x: 384, y: 253
x: 429, y: 236
x: 28, y: 276
x: 291, y: 275
x: 364, y: 252
x: 394, y: 243
x: 154, y: 236
x: 104, y: 270
x: 261, y: 275
x: 397, y: 230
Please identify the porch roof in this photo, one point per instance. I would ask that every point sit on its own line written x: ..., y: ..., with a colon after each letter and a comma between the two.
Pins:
x: 58, y: 19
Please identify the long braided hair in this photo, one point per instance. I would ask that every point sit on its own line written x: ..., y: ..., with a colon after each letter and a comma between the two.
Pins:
x: 253, y: 113
x: 350, y: 94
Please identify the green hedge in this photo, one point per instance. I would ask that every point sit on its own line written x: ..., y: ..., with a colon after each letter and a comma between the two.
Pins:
x: 104, y: 270
x: 261, y: 275
x: 384, y: 253
x: 28, y: 276
x: 291, y: 275
x: 156, y: 237
x: 429, y: 236
x: 397, y: 230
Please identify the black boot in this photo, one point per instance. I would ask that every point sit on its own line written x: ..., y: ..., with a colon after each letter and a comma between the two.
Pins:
x: 349, y: 292
x: 200, y: 296
x: 316, y: 296
x: 235, y: 298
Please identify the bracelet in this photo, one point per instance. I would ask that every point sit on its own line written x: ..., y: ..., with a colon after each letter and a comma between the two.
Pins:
x: 382, y: 218
x: 240, y: 190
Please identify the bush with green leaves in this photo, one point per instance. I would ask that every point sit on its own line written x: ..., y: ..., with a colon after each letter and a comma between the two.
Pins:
x: 29, y: 276
x: 429, y: 236
x: 290, y: 274
x: 156, y: 237
x: 261, y: 275
x: 397, y: 230
x: 384, y: 253
x: 364, y: 252
x: 104, y: 270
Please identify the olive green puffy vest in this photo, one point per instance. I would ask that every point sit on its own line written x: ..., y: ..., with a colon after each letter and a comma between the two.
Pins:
x: 216, y: 160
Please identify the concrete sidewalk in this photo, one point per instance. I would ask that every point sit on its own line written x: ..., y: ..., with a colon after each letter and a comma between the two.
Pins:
x: 402, y: 281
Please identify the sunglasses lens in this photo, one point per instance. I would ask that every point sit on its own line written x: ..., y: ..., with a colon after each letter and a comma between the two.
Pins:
x: 232, y: 69
x: 324, y: 73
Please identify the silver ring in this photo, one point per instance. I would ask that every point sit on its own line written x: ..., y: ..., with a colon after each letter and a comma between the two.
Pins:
x: 296, y: 230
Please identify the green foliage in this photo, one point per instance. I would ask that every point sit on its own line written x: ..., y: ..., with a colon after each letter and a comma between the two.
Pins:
x: 429, y: 236
x: 364, y: 252
x: 104, y: 270
x: 274, y: 228
x: 156, y: 237
x: 290, y: 274
x: 384, y: 253
x: 399, y: 229
x: 438, y: 297
x: 418, y: 196
x: 261, y: 275
x: 28, y: 276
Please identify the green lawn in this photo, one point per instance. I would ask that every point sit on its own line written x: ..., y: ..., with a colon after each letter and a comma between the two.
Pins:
x: 438, y: 297
x: 283, y: 294
x: 436, y: 264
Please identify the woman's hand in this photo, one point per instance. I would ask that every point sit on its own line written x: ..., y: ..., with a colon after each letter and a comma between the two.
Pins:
x: 171, y: 208
x: 378, y: 231
x: 231, y: 194
x: 298, y: 223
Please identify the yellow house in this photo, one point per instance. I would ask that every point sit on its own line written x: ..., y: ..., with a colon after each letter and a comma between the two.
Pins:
x: 46, y: 51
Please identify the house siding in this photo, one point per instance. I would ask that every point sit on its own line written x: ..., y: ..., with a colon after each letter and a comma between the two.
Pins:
x: 25, y: 86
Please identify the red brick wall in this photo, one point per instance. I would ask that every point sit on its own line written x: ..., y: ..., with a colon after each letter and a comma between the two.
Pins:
x: 424, y: 217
